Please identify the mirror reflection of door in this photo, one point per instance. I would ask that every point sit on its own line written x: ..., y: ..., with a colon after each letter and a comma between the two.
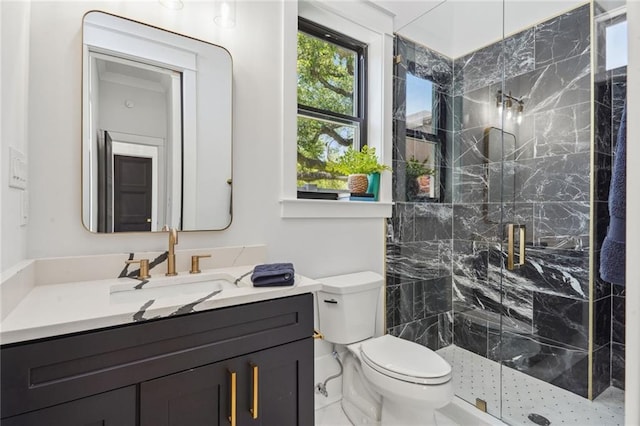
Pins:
x: 132, y: 188
x: 138, y: 114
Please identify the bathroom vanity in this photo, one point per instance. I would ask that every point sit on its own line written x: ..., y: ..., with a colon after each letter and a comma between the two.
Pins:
x: 252, y: 363
x: 244, y: 356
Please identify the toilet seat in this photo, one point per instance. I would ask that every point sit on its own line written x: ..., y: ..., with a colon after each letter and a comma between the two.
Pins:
x: 404, y: 360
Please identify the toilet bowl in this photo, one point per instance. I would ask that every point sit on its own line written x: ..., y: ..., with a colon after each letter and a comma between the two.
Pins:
x: 387, y: 380
x: 412, y: 380
x: 406, y: 382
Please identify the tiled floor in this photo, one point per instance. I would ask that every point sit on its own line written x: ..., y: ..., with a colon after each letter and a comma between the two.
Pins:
x: 332, y: 415
x: 477, y: 377
x: 458, y: 413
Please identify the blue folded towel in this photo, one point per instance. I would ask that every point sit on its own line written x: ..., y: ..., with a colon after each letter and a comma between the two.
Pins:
x: 612, y: 254
x: 273, y: 275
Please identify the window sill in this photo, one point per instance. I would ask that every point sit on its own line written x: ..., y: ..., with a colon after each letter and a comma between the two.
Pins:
x: 299, y: 208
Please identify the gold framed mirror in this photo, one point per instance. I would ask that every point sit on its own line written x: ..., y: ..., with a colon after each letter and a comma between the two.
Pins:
x: 157, y: 129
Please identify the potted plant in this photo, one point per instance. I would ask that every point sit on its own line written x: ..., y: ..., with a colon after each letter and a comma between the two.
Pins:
x: 361, y: 168
x: 418, y: 177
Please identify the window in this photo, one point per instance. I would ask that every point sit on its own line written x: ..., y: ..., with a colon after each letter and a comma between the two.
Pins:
x: 419, y: 104
x: 612, y: 48
x: 424, y: 150
x: 616, y: 44
x: 331, y: 74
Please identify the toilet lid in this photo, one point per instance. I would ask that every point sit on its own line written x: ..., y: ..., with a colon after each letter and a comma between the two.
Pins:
x: 405, y: 360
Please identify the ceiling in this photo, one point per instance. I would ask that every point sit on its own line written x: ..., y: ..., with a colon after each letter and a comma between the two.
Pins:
x: 457, y: 27
x: 129, y: 73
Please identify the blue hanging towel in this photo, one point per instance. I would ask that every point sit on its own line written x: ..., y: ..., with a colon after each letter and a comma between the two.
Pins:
x: 612, y: 255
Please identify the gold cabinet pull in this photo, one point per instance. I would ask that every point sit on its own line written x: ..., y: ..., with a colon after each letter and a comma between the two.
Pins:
x: 317, y: 335
x: 522, y: 234
x: 232, y: 416
x: 254, y: 404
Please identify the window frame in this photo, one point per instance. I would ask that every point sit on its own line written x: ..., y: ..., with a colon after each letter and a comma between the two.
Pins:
x: 363, y: 21
x: 439, y: 116
x: 322, y: 32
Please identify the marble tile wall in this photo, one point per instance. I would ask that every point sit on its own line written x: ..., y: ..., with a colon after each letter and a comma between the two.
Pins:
x: 419, y: 233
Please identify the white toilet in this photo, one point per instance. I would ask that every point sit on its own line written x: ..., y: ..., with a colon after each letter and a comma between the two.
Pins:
x: 387, y: 380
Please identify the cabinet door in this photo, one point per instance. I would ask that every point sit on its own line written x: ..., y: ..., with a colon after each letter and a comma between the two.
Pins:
x: 285, y: 386
x: 114, y: 408
x: 196, y: 397
x: 282, y: 395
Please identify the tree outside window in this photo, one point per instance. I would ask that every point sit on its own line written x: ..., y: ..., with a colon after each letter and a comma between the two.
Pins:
x: 331, y: 87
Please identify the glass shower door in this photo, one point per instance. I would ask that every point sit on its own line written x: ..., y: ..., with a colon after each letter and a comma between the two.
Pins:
x: 546, y: 345
x: 443, y: 290
x: 477, y: 202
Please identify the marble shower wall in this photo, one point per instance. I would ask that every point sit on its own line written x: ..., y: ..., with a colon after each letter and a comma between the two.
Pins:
x: 419, y: 233
x: 544, y: 305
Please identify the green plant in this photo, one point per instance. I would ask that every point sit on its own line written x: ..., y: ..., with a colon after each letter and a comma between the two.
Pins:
x: 417, y: 168
x: 353, y: 162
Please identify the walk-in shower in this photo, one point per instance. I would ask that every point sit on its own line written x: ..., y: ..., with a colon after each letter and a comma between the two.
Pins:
x: 505, y: 121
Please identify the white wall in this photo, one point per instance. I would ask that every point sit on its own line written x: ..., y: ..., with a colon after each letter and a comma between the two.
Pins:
x: 14, y: 87
x: 147, y: 117
x: 316, y: 246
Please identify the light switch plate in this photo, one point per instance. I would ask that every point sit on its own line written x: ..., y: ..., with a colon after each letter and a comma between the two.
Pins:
x: 17, y: 169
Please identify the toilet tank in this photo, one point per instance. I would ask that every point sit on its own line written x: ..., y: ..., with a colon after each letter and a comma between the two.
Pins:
x: 347, y: 306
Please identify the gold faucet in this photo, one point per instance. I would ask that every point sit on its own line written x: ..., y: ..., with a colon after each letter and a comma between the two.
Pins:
x: 144, y: 268
x: 171, y: 257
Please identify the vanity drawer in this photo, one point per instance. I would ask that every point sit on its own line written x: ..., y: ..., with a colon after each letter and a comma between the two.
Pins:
x: 43, y: 373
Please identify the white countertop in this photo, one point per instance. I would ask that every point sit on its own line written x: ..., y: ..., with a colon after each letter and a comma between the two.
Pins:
x: 57, y: 309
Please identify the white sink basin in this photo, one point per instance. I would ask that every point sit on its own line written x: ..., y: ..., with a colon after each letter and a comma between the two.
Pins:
x: 193, y: 287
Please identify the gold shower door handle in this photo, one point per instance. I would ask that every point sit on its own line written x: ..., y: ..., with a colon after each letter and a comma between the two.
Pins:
x: 254, y: 383
x: 522, y: 234
x: 232, y: 416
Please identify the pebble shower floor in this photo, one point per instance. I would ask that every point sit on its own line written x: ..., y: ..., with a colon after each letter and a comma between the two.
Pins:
x: 478, y: 377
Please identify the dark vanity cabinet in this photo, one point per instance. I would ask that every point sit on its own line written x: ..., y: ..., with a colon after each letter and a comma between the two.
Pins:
x: 250, y: 364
